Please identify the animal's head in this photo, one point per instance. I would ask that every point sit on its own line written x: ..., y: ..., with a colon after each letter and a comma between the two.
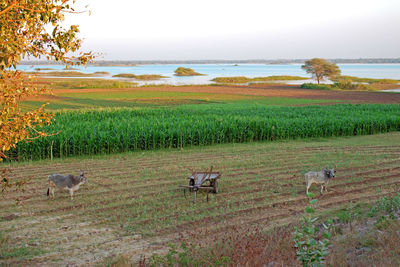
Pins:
x: 82, y: 177
x: 330, y: 173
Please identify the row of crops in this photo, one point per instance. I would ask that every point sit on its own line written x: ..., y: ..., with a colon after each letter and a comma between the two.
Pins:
x: 117, y: 130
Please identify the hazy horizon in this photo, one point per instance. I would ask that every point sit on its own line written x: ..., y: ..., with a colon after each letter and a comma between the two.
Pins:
x: 223, y: 30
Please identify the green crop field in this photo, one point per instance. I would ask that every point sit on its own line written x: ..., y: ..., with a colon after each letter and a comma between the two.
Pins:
x: 106, y: 131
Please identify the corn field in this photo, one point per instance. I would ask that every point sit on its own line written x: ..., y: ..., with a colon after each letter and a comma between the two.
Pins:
x: 92, y: 132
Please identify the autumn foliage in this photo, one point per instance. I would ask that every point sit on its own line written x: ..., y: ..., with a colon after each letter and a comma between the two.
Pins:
x: 30, y: 29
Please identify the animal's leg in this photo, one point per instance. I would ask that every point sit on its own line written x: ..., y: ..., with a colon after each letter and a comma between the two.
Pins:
x: 71, y: 192
x: 48, y: 191
x: 308, y: 186
x: 52, y: 191
x: 322, y: 188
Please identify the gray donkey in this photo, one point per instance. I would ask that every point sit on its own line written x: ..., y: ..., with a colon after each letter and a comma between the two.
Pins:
x: 69, y: 182
x: 323, y: 177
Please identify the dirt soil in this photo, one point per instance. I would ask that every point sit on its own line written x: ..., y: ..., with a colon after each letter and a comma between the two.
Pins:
x: 132, y: 204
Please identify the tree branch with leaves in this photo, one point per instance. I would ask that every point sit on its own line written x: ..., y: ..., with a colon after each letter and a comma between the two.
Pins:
x: 31, y: 29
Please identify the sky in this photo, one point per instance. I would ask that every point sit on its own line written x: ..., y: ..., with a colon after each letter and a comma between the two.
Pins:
x: 231, y: 29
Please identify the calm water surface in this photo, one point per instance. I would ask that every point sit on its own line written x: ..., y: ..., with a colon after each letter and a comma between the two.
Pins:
x: 391, y: 71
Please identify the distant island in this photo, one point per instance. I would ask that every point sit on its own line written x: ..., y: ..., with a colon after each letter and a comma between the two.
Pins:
x: 181, y: 71
x: 222, y: 61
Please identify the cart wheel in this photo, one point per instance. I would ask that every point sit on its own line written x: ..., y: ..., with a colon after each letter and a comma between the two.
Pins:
x: 215, y: 185
x: 191, y: 183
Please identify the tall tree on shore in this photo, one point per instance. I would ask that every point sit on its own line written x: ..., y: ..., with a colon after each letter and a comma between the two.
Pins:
x: 30, y: 28
x: 320, y: 68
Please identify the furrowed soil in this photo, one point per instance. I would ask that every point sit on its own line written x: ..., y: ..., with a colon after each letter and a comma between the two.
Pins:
x: 132, y: 204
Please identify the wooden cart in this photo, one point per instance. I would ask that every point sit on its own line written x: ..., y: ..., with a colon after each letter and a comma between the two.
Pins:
x: 198, y: 180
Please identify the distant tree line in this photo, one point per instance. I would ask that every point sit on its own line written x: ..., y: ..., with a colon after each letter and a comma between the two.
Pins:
x: 249, y: 61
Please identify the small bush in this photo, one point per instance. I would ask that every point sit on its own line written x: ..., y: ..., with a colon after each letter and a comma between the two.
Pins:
x: 349, y: 214
x: 341, y: 85
x: 347, y: 84
x: 385, y: 205
x: 315, y: 86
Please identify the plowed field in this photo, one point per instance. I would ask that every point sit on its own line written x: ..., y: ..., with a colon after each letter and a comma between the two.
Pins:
x: 132, y: 204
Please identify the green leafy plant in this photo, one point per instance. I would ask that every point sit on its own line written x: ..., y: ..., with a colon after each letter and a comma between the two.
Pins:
x: 385, y: 205
x: 173, y: 257
x: 311, y: 248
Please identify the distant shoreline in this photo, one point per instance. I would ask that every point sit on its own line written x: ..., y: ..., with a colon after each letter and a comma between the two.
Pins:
x: 130, y: 63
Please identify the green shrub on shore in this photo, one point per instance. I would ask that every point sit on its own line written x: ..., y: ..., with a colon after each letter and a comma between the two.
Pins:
x: 345, y: 84
x: 341, y: 85
x: 316, y: 86
x: 365, y: 80
x: 181, y: 71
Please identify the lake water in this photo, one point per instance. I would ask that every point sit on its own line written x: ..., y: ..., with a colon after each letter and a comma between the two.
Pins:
x: 391, y: 71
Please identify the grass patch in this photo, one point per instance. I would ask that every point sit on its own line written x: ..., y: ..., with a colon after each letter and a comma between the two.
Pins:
x: 143, y: 77
x: 72, y: 83
x: 133, y: 94
x: 243, y: 79
x: 10, y: 250
x: 142, y: 98
x: 66, y: 74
